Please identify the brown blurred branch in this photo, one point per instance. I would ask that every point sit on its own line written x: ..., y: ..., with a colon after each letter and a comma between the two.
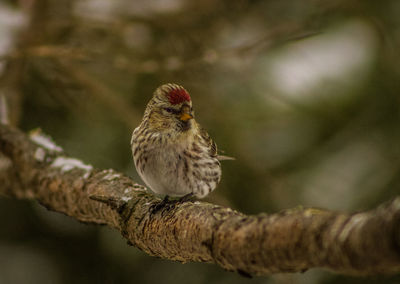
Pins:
x: 102, y: 93
x: 289, y: 241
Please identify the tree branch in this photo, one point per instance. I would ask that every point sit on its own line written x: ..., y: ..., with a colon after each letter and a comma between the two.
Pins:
x: 290, y: 241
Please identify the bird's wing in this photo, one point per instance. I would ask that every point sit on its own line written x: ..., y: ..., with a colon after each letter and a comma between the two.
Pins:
x: 212, y: 147
x: 213, y: 151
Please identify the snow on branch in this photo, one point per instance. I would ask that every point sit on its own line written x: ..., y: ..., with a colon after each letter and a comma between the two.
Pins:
x: 294, y: 240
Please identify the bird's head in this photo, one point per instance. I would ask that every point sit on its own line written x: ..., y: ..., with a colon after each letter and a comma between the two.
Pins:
x: 170, y: 108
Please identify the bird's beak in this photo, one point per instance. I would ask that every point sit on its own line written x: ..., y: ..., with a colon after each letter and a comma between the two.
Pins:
x: 185, y: 116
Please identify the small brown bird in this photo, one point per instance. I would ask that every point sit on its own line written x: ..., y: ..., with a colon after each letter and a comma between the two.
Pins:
x: 172, y: 153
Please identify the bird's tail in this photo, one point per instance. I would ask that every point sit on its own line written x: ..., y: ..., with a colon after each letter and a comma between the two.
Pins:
x: 224, y: 158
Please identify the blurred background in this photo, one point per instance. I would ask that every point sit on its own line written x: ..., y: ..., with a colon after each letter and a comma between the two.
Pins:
x: 305, y: 94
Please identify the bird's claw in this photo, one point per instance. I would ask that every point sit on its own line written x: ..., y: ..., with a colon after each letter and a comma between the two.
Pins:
x: 166, y: 202
x: 185, y: 198
x: 158, y: 206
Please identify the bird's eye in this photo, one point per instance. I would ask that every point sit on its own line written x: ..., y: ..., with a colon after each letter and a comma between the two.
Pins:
x: 171, y: 110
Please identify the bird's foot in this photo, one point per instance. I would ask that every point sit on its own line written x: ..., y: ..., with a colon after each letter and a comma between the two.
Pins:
x: 167, y: 203
x: 158, y: 206
x: 185, y: 198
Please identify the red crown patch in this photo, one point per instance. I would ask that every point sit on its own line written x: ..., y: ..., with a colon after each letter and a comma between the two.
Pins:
x: 177, y: 96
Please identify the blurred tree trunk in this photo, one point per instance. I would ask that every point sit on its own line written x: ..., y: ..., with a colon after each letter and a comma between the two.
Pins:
x: 49, y: 20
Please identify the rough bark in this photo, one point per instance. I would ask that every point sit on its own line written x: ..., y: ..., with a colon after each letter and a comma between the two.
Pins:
x: 290, y: 241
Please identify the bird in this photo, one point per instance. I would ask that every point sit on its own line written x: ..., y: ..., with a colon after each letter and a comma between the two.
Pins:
x: 172, y: 153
